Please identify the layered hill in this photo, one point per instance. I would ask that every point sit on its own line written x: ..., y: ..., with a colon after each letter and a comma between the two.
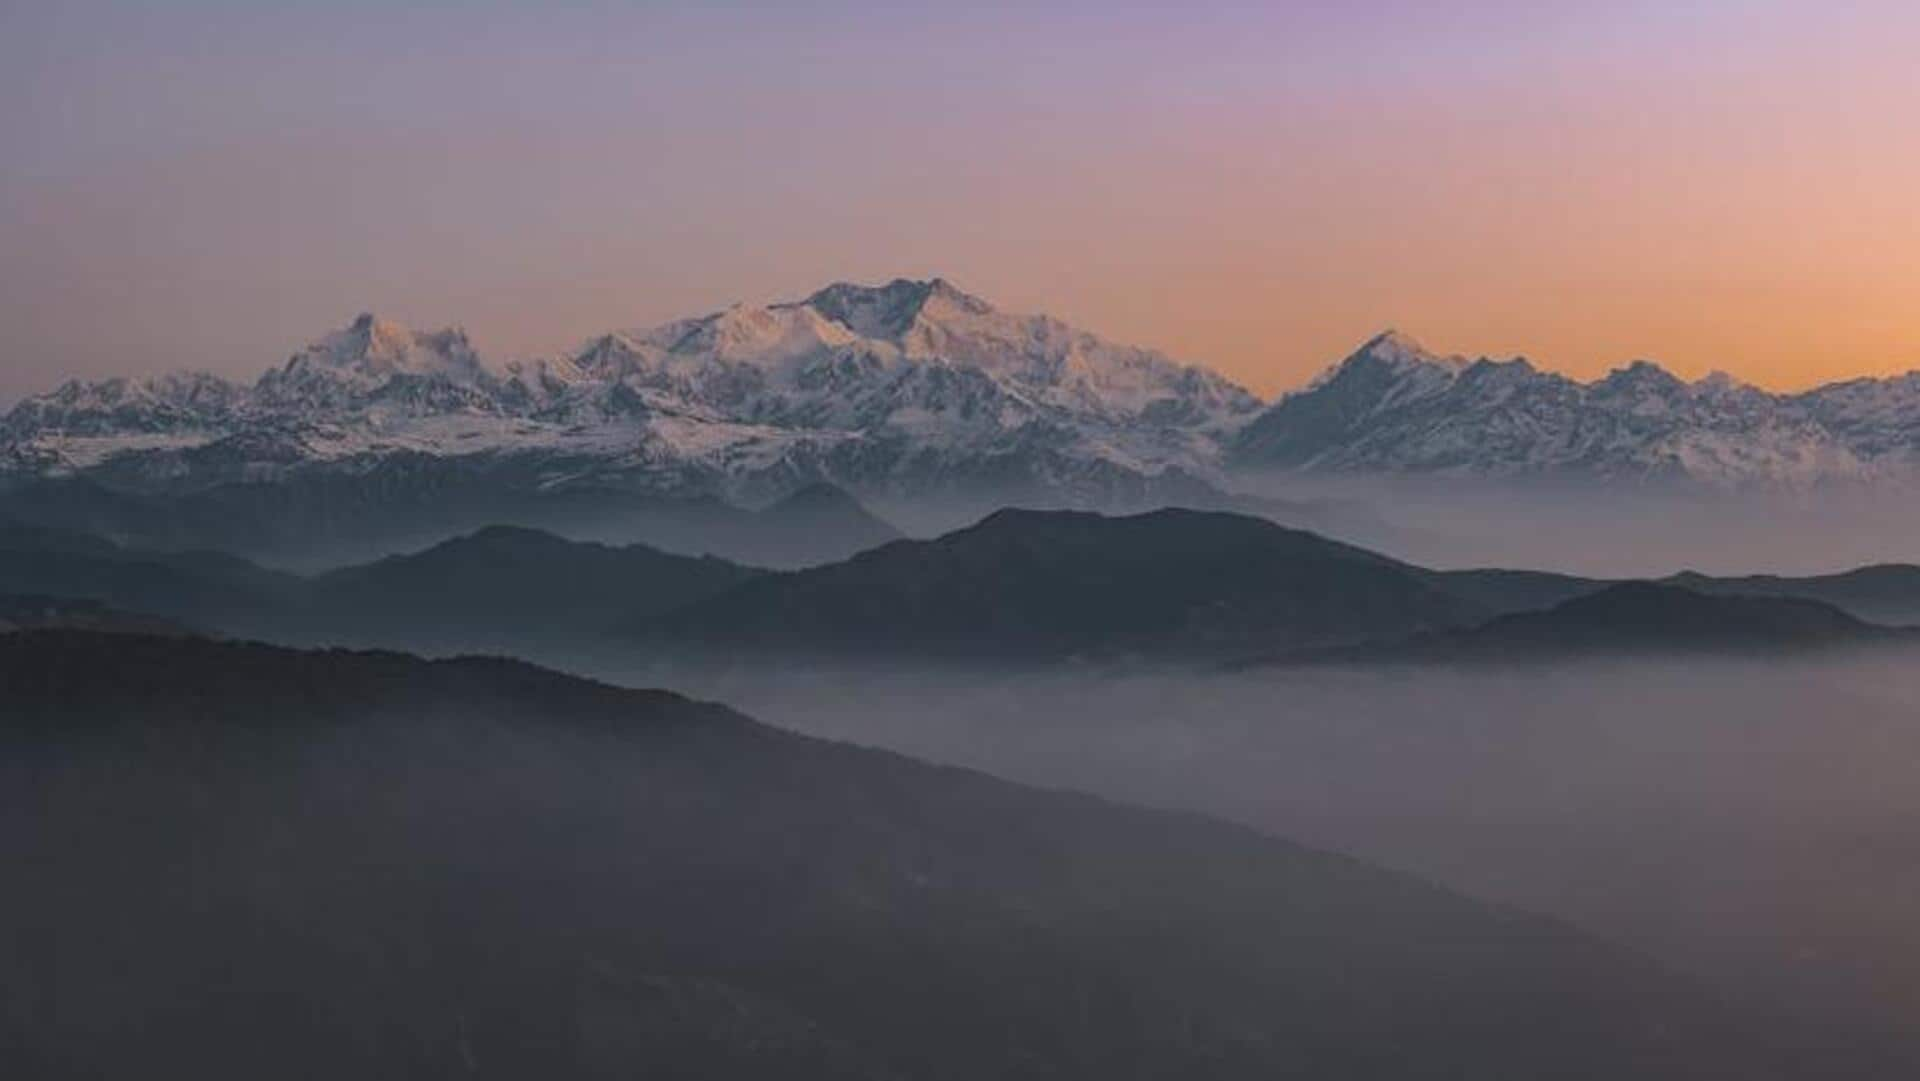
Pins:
x: 1630, y: 619
x: 27, y: 612
x: 500, y: 588
x: 1885, y: 593
x: 1044, y: 586
x: 1022, y: 587
x: 209, y: 590
x: 255, y: 862
x: 505, y: 586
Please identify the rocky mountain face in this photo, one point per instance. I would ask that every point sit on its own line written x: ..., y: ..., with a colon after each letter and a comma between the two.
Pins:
x: 913, y: 391
x: 1394, y: 408
x: 912, y: 387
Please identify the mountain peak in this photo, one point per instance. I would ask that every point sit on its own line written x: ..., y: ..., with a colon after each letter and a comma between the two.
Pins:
x: 1394, y: 341
x: 370, y: 333
x: 1387, y: 358
x: 1641, y: 375
x: 889, y: 311
x: 1639, y: 611
x: 379, y: 347
x: 817, y: 496
x: 1399, y: 350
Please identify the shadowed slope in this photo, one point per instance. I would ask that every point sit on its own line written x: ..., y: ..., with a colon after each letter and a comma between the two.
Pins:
x: 505, y: 585
x: 1630, y: 618
x: 1046, y: 585
x: 255, y: 862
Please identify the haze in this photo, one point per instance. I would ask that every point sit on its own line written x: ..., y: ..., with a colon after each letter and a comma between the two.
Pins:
x: 1256, y: 187
x: 1689, y: 810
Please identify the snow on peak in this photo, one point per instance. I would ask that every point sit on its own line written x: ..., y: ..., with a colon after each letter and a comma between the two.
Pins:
x: 763, y: 336
x: 143, y: 408
x: 376, y: 370
x: 915, y: 382
x: 1641, y: 376
x: 1390, y: 353
x: 378, y: 348
x: 919, y: 352
x: 887, y: 312
x: 1392, y: 407
x: 1395, y: 344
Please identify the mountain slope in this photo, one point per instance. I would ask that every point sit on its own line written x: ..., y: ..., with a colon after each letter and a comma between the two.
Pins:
x: 499, y: 588
x: 504, y: 586
x: 26, y: 612
x: 203, y: 589
x: 255, y: 862
x: 911, y: 387
x: 917, y: 390
x: 1886, y: 593
x: 819, y: 523
x: 1628, y: 618
x: 1503, y: 591
x: 313, y: 520
x: 1393, y: 407
x: 1037, y: 586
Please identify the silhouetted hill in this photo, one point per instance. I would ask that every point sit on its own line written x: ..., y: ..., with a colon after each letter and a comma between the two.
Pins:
x: 1045, y: 585
x: 819, y: 523
x: 1021, y: 586
x: 21, y: 612
x: 18, y: 536
x: 502, y: 587
x: 250, y: 862
x: 1885, y: 593
x: 315, y: 520
x: 1629, y: 618
x: 204, y: 589
x: 1501, y: 591
x: 505, y: 584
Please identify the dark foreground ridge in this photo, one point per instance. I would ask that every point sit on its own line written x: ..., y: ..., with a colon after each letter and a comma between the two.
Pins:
x: 245, y: 861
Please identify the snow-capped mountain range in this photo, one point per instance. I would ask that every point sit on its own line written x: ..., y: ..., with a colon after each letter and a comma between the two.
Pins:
x: 1395, y: 408
x: 915, y: 388
x: 908, y: 387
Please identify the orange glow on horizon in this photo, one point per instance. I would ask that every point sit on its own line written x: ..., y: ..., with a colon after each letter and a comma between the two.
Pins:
x: 1718, y: 186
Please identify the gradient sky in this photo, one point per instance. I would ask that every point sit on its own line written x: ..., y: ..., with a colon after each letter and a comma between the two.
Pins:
x: 1256, y: 186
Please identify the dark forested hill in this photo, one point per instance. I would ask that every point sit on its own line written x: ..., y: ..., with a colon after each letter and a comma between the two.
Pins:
x: 505, y: 585
x: 235, y: 861
x: 1885, y: 593
x: 1048, y: 585
x: 1630, y: 618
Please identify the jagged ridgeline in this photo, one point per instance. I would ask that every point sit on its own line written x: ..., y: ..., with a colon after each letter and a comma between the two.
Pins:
x: 910, y: 388
x: 912, y: 393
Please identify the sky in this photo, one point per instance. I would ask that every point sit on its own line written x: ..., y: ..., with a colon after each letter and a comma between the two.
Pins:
x: 1254, y: 186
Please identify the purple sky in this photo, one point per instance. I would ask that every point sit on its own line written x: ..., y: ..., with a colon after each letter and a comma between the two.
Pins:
x: 1254, y: 186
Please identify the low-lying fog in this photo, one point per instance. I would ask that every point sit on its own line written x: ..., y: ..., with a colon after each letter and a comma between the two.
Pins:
x: 1618, y: 530
x: 1754, y: 823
